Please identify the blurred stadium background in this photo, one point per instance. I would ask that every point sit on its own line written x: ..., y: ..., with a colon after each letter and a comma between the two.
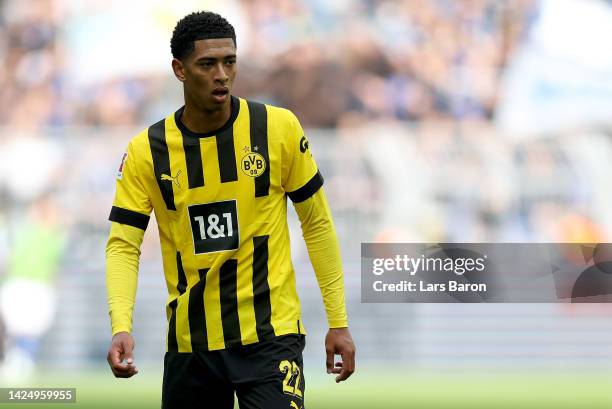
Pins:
x: 432, y: 120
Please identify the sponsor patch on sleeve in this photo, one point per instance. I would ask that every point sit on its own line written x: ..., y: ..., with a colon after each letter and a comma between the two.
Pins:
x: 304, y: 144
x: 120, y: 171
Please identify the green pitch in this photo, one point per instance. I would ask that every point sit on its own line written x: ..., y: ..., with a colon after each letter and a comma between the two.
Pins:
x: 369, y: 388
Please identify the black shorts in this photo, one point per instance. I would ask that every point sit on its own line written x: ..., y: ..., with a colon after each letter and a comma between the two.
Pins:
x: 266, y: 375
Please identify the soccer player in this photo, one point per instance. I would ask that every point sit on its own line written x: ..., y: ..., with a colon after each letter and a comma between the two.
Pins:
x: 217, y: 173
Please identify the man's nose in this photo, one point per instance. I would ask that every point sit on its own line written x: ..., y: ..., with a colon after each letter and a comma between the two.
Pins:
x: 221, y: 73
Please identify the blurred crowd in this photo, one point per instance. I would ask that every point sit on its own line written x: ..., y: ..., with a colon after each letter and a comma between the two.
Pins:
x: 329, y: 61
x: 407, y: 60
x: 426, y: 71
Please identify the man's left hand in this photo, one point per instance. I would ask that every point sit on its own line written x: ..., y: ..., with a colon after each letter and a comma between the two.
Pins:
x: 339, y: 342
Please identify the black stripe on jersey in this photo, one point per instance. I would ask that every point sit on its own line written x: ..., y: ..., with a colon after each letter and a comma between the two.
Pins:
x: 258, y: 118
x: 261, y: 289
x: 172, y: 342
x: 129, y: 217
x: 197, y: 314
x: 181, y: 284
x: 193, y: 159
x: 161, y: 161
x: 307, y: 190
x: 227, y: 156
x: 229, y: 303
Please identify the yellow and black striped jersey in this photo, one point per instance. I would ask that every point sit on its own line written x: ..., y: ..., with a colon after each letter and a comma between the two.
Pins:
x: 220, y: 205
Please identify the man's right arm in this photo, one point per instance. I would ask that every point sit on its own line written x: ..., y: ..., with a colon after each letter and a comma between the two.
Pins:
x: 129, y: 217
x: 122, y: 258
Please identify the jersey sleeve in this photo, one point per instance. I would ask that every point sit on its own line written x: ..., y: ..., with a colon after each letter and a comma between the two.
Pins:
x: 324, y: 252
x: 122, y: 258
x: 300, y: 176
x: 132, y: 205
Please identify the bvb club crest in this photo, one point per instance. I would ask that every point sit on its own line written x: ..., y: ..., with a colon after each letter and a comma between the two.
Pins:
x: 252, y: 163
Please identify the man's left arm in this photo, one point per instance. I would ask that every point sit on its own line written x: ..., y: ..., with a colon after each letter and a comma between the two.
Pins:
x: 324, y: 251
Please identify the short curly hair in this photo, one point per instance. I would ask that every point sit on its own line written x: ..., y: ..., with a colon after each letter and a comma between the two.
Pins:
x: 201, y: 25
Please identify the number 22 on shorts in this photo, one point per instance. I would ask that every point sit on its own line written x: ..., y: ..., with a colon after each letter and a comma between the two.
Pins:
x: 290, y: 369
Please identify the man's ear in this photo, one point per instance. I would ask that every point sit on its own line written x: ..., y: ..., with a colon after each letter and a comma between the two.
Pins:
x: 177, y: 67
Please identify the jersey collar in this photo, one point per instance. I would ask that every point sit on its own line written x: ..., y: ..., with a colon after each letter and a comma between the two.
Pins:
x: 234, y: 108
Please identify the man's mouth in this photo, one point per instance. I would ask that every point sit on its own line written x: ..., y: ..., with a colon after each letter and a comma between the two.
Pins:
x: 221, y: 91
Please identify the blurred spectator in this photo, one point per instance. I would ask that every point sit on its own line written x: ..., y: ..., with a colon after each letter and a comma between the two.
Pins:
x: 27, y: 295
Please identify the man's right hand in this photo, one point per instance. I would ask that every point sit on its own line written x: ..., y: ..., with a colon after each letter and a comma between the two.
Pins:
x: 120, y: 356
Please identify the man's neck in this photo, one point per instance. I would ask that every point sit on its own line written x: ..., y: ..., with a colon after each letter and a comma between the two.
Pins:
x: 200, y: 121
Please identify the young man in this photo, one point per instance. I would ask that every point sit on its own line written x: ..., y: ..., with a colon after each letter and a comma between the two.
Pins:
x: 217, y: 173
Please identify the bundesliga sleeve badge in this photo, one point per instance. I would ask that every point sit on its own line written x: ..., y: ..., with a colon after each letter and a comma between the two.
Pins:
x: 120, y: 171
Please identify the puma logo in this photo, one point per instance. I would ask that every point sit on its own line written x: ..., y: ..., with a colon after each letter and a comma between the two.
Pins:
x: 172, y: 179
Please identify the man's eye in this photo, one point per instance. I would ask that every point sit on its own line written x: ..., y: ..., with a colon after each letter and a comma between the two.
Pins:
x: 230, y: 62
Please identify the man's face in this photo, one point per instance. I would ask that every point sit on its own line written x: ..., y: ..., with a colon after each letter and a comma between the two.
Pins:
x: 208, y: 73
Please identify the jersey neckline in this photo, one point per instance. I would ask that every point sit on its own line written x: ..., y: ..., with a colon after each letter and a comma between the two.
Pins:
x: 234, y: 110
